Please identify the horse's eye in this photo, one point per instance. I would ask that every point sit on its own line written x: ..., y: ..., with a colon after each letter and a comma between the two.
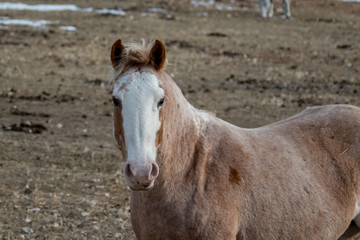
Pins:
x: 160, y: 103
x: 116, y: 102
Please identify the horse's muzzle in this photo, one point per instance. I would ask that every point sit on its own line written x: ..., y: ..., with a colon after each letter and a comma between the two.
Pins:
x: 141, y: 176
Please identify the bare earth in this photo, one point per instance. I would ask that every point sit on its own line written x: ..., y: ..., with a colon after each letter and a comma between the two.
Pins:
x: 64, y: 180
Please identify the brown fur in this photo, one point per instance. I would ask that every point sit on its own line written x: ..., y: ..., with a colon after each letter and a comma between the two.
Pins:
x: 234, y: 177
x: 294, y: 179
x: 119, y: 132
x: 159, y: 134
x: 158, y: 55
x: 116, y: 52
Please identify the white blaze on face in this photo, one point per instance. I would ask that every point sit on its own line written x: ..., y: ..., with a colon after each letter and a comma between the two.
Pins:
x: 139, y: 93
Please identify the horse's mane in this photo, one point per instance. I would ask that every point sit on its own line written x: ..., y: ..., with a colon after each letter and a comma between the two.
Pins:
x: 136, y: 53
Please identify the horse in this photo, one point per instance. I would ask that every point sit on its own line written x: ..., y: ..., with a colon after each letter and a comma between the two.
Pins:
x: 267, y: 8
x: 195, y: 176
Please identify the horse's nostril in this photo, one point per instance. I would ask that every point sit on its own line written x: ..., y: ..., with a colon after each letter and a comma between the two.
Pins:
x: 128, y: 170
x: 154, y: 171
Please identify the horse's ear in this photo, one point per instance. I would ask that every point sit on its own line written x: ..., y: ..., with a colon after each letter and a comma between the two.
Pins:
x: 116, y: 52
x: 158, y: 55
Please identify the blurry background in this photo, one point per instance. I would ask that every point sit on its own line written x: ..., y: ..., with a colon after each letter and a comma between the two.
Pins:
x: 60, y: 173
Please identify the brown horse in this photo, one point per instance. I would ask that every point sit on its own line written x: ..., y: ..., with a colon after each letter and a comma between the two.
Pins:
x: 195, y: 176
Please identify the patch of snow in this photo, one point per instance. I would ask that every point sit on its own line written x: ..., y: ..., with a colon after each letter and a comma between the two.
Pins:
x: 156, y: 10
x: 112, y: 11
x: 60, y: 7
x: 43, y: 7
x: 25, y: 22
x: 202, y: 3
x: 210, y: 3
x: 223, y: 7
x: 68, y: 28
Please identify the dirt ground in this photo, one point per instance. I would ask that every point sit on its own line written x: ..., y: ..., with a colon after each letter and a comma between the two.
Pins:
x: 60, y: 173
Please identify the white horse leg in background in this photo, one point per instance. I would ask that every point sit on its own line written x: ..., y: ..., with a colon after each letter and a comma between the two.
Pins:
x: 267, y: 8
x: 286, y: 8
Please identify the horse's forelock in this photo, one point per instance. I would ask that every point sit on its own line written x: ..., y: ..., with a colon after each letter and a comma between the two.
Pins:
x: 136, y: 54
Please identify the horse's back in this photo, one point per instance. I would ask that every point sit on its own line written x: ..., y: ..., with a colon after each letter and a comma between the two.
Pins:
x: 307, y: 166
x: 323, y: 114
x: 335, y: 126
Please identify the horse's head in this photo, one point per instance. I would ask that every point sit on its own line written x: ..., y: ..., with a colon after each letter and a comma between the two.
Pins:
x: 138, y: 99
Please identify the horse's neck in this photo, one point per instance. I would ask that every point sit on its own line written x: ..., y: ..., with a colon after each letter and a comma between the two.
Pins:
x: 182, y: 155
x: 181, y: 125
x: 183, y: 137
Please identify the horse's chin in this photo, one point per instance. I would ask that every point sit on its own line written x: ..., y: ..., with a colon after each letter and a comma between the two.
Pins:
x: 141, y: 187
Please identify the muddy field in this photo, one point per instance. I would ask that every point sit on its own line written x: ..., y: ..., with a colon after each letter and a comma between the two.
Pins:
x: 60, y: 173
